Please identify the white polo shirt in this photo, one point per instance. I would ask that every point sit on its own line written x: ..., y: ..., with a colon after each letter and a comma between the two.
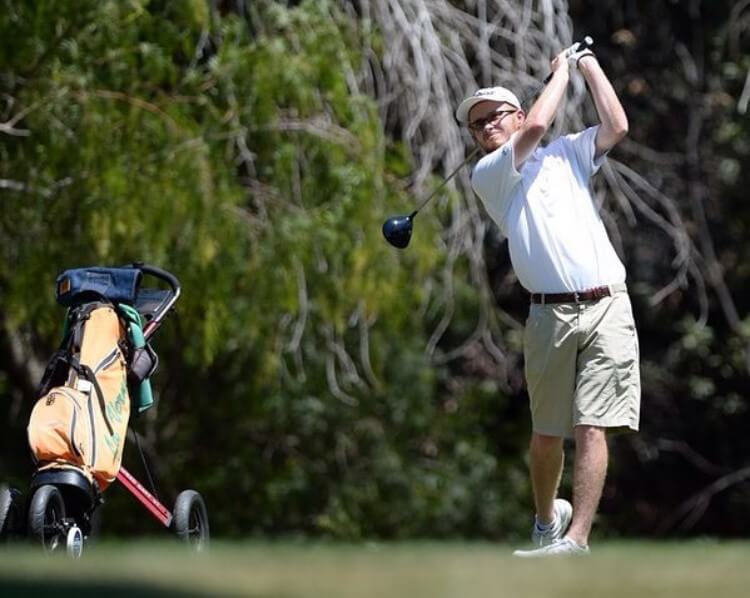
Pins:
x: 556, y: 237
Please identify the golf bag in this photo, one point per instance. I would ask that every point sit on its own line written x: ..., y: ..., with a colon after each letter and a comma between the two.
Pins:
x: 81, y: 418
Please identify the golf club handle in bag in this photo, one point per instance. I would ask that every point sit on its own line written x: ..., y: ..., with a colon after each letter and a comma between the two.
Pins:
x: 587, y: 42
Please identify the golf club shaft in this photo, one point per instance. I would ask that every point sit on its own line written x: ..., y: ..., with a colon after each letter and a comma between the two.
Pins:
x: 445, y: 182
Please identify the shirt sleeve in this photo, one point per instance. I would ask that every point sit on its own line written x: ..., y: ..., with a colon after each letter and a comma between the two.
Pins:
x: 494, y: 179
x: 583, y: 145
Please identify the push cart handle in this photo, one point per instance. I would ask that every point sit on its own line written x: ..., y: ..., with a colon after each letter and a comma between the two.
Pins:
x: 172, y: 281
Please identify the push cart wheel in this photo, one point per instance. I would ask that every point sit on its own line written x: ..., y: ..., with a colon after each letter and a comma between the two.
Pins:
x: 46, y: 518
x: 74, y: 542
x: 190, y: 521
x: 11, y: 513
x: 6, y: 501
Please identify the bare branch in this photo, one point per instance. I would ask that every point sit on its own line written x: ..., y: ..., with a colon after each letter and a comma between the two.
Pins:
x: 687, y: 514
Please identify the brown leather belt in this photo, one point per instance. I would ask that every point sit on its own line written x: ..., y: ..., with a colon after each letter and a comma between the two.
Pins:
x: 588, y: 295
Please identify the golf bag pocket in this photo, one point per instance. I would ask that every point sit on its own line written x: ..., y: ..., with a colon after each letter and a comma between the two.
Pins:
x: 102, y: 377
x: 58, y: 428
x: 142, y: 365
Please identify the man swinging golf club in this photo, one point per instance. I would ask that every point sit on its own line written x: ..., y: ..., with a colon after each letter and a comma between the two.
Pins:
x: 580, y: 341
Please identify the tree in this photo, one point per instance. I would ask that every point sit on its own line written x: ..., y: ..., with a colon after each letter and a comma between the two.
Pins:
x: 326, y: 382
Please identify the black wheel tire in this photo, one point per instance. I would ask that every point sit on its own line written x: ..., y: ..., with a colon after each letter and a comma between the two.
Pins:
x: 46, y: 515
x: 11, y: 514
x: 95, y: 525
x: 6, y: 500
x: 190, y: 520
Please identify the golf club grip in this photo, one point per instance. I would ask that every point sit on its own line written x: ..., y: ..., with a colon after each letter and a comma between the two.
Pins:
x: 587, y: 42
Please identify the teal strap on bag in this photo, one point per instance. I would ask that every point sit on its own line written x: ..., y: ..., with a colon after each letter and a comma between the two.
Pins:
x: 144, y: 398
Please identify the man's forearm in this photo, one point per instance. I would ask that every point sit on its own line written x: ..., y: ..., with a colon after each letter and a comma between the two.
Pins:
x: 541, y: 115
x: 614, y: 121
x: 543, y: 112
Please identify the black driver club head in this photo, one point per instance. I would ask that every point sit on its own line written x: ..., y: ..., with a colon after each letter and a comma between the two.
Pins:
x: 397, y: 230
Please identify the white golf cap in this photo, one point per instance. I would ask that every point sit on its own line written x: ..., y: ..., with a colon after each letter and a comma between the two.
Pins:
x: 493, y: 94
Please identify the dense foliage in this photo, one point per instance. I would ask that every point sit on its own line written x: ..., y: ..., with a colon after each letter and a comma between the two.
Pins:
x: 233, y: 144
x: 294, y: 389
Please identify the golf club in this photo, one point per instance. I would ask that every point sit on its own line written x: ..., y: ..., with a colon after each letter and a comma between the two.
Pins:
x: 397, y: 229
x: 587, y: 42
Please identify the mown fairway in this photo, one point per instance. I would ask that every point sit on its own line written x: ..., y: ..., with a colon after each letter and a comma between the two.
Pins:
x: 414, y: 570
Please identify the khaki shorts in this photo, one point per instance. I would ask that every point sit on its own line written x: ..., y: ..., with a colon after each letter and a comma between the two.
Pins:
x: 582, y: 365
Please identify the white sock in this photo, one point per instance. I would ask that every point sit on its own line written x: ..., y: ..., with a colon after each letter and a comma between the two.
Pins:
x: 544, y: 527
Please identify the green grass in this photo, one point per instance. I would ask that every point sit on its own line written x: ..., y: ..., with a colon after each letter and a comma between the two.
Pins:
x: 697, y: 569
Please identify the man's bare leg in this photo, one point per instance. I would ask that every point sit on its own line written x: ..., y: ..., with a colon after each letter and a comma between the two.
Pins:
x: 546, y: 465
x: 589, y: 472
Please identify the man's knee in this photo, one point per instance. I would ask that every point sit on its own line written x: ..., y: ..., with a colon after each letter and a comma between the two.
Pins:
x: 590, y: 435
x: 541, y: 444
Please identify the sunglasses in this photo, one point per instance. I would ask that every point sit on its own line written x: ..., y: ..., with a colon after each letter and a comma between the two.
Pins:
x: 494, y: 117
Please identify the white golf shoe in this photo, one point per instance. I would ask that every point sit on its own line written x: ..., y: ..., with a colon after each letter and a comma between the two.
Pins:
x: 563, y: 513
x: 561, y: 547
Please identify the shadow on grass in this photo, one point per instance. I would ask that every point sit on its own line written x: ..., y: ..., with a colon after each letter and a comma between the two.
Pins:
x: 66, y: 588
